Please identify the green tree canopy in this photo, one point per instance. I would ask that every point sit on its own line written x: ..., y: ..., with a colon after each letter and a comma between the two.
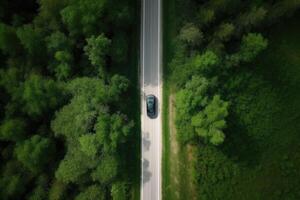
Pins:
x: 225, y: 31
x: 11, y: 186
x: 57, y: 190
x: 12, y: 130
x: 74, y: 166
x: 206, y: 63
x: 83, y: 17
x: 34, y: 153
x: 89, y: 145
x: 40, y: 95
x: 118, y: 85
x: 206, y: 16
x: 252, y: 18
x: 40, y: 191
x: 210, y: 122
x: 191, y: 34
x: 96, y: 50
x: 63, y: 68
x: 119, y: 191
x: 32, y: 40
x: 49, y: 13
x: 92, y: 192
x: 9, y: 42
x: 188, y: 100
x: 252, y: 44
x: 107, y: 170
x: 112, y: 130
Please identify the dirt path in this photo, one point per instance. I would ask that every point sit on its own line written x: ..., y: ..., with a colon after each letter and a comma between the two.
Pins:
x: 181, y: 159
x: 174, y: 149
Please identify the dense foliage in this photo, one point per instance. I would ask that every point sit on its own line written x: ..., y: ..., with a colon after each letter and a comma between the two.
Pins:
x: 231, y: 80
x: 64, y: 120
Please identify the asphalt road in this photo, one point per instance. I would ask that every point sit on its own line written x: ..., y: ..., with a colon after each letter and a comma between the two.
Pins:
x: 151, y: 83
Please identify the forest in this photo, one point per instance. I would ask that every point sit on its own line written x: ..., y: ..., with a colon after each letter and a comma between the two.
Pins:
x: 66, y: 69
x: 234, y: 69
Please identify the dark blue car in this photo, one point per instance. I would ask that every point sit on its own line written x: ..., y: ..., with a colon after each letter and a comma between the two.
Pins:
x: 151, y: 106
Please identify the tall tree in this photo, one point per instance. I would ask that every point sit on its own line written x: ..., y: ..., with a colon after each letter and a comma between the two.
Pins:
x: 252, y: 44
x: 40, y: 95
x: 83, y: 17
x: 96, y: 50
x: 191, y: 35
x: 119, y: 191
x: 9, y: 42
x: 12, y: 130
x: 34, y: 153
x: 92, y: 192
x: 107, y: 170
x: 210, y: 122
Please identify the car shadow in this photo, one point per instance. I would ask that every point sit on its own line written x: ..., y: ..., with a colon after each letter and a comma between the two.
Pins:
x: 146, y: 173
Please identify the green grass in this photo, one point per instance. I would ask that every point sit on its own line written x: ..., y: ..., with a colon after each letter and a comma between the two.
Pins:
x: 171, y: 23
x: 167, y: 28
x: 168, y: 34
x: 264, y: 131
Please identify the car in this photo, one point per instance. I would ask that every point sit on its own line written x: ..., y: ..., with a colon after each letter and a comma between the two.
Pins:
x: 151, y: 106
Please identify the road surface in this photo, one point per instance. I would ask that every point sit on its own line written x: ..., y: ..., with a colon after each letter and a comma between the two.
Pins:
x: 151, y: 84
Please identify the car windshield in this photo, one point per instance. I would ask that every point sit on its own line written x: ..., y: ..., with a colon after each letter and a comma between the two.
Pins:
x: 150, y: 102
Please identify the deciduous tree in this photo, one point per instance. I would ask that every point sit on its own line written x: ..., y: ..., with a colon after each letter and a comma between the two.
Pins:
x: 92, y: 192
x: 252, y: 44
x: 35, y: 152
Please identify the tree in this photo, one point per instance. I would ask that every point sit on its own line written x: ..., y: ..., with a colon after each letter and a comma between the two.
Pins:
x: 63, y: 69
x: 206, y: 16
x: 224, y: 31
x: 252, y: 18
x: 191, y: 35
x: 40, y: 190
x: 189, y: 100
x: 119, y: 190
x: 12, y: 130
x: 210, y: 122
x: 92, y: 192
x: 118, y: 85
x: 107, y: 170
x: 121, y: 14
x: 83, y: 17
x: 96, y: 50
x: 40, y: 95
x: 58, y: 41
x: 281, y: 8
x: 252, y: 44
x: 32, y: 40
x: 212, y: 167
x: 119, y: 48
x: 57, y: 190
x: 90, y: 130
x: 78, y: 117
x: 206, y: 63
x: 9, y: 42
x: 89, y: 145
x: 74, y: 166
x: 59, y: 47
x: 49, y: 13
x: 10, y: 80
x: 112, y: 130
x: 34, y: 153
x: 11, y: 187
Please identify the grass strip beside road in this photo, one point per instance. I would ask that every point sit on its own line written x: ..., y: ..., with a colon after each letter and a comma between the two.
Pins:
x: 176, y: 159
x: 168, y: 28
